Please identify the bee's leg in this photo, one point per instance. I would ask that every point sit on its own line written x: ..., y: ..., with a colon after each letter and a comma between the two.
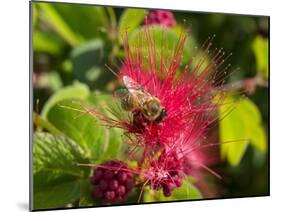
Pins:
x: 136, y: 115
x: 139, y: 121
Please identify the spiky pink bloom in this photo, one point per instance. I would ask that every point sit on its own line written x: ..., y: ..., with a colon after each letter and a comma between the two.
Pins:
x: 187, y: 96
x: 171, y: 147
x: 160, y: 17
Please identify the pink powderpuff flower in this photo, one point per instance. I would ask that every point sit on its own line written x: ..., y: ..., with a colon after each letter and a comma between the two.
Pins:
x: 160, y: 17
x: 187, y: 96
x: 165, y: 172
x: 170, y: 147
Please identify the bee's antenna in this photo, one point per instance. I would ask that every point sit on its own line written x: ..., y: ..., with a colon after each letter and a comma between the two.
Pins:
x: 110, y: 69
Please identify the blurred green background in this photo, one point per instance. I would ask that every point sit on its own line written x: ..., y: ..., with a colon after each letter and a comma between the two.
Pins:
x: 71, y: 44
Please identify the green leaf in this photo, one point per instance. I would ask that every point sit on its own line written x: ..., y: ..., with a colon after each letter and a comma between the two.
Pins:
x: 82, y: 128
x: 162, y: 39
x: 242, y: 125
x: 189, y: 50
x: 114, y: 144
x: 186, y: 192
x: 75, y: 91
x: 129, y: 21
x: 52, y: 190
x: 87, y: 60
x: 86, y: 198
x: 87, y: 21
x: 47, y: 43
x: 57, y: 153
x: 42, y: 123
x: 166, y: 39
x: 57, y: 177
x: 189, y: 46
x: 34, y: 15
x: 59, y: 25
x: 54, y: 81
x: 260, y: 48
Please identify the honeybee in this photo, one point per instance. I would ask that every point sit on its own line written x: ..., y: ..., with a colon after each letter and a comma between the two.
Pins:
x: 135, y: 99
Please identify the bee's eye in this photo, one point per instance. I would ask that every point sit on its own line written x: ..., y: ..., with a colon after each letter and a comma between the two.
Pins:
x: 154, y: 108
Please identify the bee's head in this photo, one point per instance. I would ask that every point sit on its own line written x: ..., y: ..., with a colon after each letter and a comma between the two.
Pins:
x: 154, y: 108
x: 155, y: 111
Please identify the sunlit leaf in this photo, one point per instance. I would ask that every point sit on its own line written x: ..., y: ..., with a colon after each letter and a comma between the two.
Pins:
x: 260, y: 48
x: 57, y: 177
x: 129, y: 21
x: 114, y: 144
x: 75, y: 91
x: 87, y: 21
x: 243, y: 125
x: 34, y: 15
x: 98, y: 142
x: 165, y: 41
x: 57, y: 153
x: 58, y: 24
x: 82, y: 128
x: 43, y: 124
x: 189, y: 46
x: 47, y: 43
x: 186, y: 192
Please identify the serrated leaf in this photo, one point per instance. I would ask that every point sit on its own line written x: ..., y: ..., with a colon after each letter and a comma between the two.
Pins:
x: 242, y: 125
x: 129, y: 21
x: 186, y: 192
x: 57, y: 153
x: 75, y: 91
x: 260, y: 48
x: 99, y: 142
x: 57, y: 177
x: 82, y: 128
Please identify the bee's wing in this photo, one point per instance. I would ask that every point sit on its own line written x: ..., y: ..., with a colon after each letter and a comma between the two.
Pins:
x: 123, y: 96
x: 121, y: 93
x: 131, y: 84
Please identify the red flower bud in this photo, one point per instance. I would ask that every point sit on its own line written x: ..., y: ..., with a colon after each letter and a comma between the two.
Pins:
x: 112, y: 182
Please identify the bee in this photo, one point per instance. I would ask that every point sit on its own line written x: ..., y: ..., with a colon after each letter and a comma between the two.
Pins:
x: 135, y: 99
